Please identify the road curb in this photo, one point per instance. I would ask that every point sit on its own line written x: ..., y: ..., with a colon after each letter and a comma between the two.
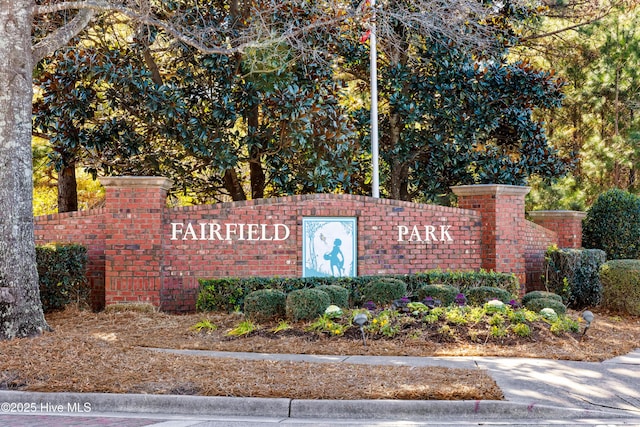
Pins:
x: 437, y: 409
x: 74, y: 403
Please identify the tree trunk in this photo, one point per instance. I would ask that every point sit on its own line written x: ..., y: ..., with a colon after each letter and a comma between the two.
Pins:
x: 20, y: 307
x: 67, y: 189
x: 233, y: 185
x: 399, y: 176
x: 257, y: 176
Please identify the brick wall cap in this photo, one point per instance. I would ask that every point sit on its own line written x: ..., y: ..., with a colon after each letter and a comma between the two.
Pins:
x: 541, y: 215
x: 136, y: 182
x: 321, y: 197
x: 492, y: 189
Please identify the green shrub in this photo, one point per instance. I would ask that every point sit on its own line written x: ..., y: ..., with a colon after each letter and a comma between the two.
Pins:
x: 306, y: 304
x: 537, y: 304
x: 220, y: 295
x: 613, y: 225
x: 383, y: 291
x: 539, y: 294
x: 482, y: 294
x: 621, y: 285
x: 264, y: 305
x: 465, y: 280
x: 227, y: 294
x: 337, y: 294
x: 445, y: 293
x: 522, y: 330
x: 62, y: 273
x: 574, y: 274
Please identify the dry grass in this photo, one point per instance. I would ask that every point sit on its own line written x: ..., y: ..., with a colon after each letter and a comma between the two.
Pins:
x: 104, y: 352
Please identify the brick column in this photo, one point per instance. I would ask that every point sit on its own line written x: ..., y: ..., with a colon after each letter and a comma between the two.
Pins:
x: 503, y: 224
x: 567, y: 225
x: 133, y: 246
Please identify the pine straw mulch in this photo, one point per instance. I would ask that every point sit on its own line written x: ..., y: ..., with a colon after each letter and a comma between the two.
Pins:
x: 105, y: 352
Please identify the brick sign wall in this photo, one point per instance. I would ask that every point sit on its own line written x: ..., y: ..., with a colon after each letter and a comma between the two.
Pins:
x: 142, y: 251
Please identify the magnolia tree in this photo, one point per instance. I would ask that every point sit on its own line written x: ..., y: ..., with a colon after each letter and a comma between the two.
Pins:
x: 31, y: 30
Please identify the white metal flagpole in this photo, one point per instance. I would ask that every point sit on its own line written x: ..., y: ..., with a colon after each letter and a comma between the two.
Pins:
x: 375, y: 185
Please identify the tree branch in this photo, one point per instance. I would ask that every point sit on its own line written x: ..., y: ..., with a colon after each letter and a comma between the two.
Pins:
x: 143, y: 16
x: 62, y: 35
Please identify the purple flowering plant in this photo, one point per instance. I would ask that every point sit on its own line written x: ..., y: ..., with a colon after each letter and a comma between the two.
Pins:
x: 369, y: 305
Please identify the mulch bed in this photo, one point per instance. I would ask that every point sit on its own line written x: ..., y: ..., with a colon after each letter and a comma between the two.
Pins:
x: 104, y: 352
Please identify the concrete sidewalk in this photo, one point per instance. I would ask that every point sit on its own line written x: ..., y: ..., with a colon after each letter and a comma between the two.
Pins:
x: 537, y: 392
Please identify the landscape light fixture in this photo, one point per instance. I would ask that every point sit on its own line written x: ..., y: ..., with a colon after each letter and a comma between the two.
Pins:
x: 588, y: 318
x: 360, y: 319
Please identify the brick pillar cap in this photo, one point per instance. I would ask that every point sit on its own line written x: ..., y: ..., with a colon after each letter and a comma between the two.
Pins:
x: 557, y: 214
x: 490, y: 189
x: 136, y: 182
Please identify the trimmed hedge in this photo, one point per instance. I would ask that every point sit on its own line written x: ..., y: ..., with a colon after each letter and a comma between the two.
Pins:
x: 540, y: 294
x: 621, y: 285
x: 337, y: 294
x: 465, y: 280
x: 306, y: 304
x: 613, y: 225
x: 482, y: 294
x: 537, y: 304
x: 62, y: 275
x: 383, y: 290
x: 228, y: 294
x: 264, y: 305
x: 445, y: 293
x: 574, y: 275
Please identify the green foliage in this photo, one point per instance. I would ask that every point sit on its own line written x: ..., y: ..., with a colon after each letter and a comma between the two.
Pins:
x: 227, y: 294
x: 456, y: 316
x: 417, y: 307
x: 475, y: 314
x: 537, y: 304
x: 204, y: 325
x: 496, y: 320
x: 482, y: 294
x: 220, y: 295
x: 328, y: 325
x: 498, y: 331
x: 549, y: 314
x: 574, y: 275
x: 613, y: 225
x: 465, y: 280
x: 201, y: 120
x: 445, y: 293
x: 564, y: 324
x: 495, y: 306
x: 621, y: 286
x: 282, y: 325
x: 284, y: 123
x: 517, y: 316
x: 539, y: 294
x: 244, y: 328
x: 306, y: 304
x: 433, y: 315
x: 597, y: 124
x: 264, y: 305
x: 522, y: 330
x: 61, y: 269
x: 383, y: 291
x: 462, y: 119
x: 337, y: 294
x: 385, y: 323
